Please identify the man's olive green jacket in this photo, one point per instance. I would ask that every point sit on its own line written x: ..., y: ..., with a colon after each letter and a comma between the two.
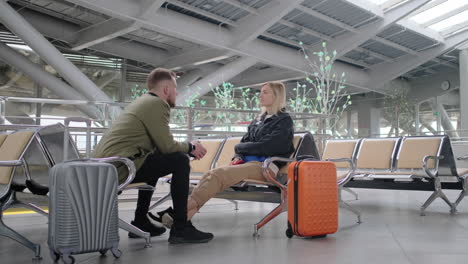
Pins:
x: 141, y: 129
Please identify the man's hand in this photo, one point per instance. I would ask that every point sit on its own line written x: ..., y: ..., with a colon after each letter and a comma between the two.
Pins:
x: 199, y: 152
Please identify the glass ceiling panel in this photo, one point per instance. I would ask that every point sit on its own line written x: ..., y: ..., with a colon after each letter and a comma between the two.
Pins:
x: 435, y: 12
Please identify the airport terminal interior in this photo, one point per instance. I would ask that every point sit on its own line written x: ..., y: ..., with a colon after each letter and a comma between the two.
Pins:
x: 376, y: 88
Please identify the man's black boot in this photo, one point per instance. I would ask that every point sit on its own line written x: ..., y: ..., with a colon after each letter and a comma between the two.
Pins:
x: 147, y: 226
x: 188, y: 234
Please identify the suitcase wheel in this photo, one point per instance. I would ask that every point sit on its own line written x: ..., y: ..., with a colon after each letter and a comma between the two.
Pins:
x: 289, y: 231
x: 54, y: 255
x: 68, y: 260
x: 103, y: 252
x: 116, y: 252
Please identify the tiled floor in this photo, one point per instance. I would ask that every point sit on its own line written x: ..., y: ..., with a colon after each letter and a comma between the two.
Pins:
x: 392, y: 232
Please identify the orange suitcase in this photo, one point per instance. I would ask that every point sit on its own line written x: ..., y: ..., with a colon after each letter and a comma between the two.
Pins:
x: 312, y: 199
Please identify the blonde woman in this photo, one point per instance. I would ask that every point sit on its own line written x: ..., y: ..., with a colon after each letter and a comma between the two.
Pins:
x: 271, y: 134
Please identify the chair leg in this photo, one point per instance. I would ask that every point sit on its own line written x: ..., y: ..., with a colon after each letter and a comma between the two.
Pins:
x: 135, y: 230
x: 346, y: 205
x: 463, y: 193
x: 236, y: 204
x: 460, y: 198
x: 438, y: 193
x: 8, y: 232
x: 355, y: 194
x: 160, y: 201
x: 352, y: 209
x: 32, y: 207
x: 282, y: 207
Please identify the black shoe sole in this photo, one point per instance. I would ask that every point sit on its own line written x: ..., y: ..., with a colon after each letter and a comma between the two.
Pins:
x: 181, y: 240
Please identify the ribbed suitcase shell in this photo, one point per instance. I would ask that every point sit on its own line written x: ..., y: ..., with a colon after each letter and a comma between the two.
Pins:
x: 83, y: 214
x: 312, y: 198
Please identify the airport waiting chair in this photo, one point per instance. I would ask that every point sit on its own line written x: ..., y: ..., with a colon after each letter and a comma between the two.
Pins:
x: 342, y: 153
x: 12, y: 156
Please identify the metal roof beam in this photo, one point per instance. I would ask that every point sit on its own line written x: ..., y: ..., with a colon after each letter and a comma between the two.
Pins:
x: 62, y: 30
x: 204, y: 33
x: 101, y: 32
x: 446, y: 63
x: 223, y: 74
x: 428, y: 6
x: 49, y: 53
x: 385, y: 72
x: 305, y: 30
x: 193, y: 57
x: 242, y: 6
x: 200, y: 11
x: 328, y: 19
x: 347, y: 42
x: 253, y: 26
x: 456, y: 28
x: 149, y: 7
x: 368, y: 6
x: 373, y: 54
x: 445, y: 16
x: 45, y: 79
x: 391, y: 3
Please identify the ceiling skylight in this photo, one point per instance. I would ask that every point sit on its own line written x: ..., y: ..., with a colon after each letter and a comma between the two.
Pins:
x: 442, y: 16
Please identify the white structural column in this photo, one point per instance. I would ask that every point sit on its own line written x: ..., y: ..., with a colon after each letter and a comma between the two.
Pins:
x: 16, y: 23
x: 442, y: 117
x: 368, y: 120
x: 347, y: 42
x: 464, y: 91
x: 45, y: 79
x: 254, y: 25
x: 225, y: 73
x: 102, y: 32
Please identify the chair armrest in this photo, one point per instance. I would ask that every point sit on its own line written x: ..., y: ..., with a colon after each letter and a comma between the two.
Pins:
x: 266, y: 174
x: 426, y: 169
x: 463, y: 158
x: 9, y: 163
x: 127, y: 162
x: 350, y: 174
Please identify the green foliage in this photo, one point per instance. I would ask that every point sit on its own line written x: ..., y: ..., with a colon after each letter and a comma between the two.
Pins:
x: 137, y: 91
x: 224, y: 98
x: 323, y: 90
x: 399, y: 110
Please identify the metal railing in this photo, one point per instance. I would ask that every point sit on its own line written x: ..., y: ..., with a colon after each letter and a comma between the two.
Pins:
x: 186, y: 128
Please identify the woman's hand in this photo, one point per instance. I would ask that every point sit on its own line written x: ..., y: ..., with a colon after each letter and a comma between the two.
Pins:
x: 235, y: 161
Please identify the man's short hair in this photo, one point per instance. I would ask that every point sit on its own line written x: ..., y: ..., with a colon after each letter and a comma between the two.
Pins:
x: 158, y: 75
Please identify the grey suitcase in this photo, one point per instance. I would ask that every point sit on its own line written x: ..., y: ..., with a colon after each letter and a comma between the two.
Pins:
x: 83, y: 214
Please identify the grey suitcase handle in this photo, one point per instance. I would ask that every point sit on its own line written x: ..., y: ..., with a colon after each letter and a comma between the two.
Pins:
x: 88, y: 135
x: 130, y: 166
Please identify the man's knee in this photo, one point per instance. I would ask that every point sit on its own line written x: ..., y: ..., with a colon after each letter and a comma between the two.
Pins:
x: 181, y: 159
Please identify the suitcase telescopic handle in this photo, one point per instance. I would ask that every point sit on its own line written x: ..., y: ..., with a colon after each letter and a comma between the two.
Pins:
x: 130, y: 166
x: 266, y: 171
x: 78, y: 119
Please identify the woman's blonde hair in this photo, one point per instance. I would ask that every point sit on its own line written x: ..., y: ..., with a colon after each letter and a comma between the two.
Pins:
x: 279, y: 104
